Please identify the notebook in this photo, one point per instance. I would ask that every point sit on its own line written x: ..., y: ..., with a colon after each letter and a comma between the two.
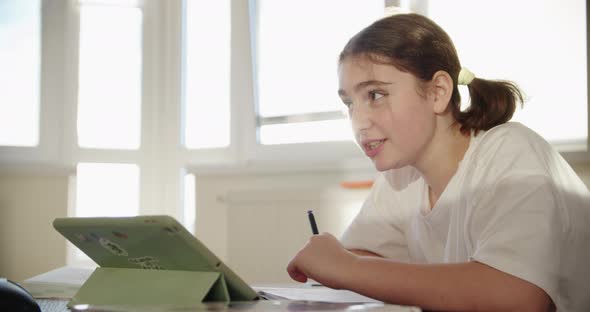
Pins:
x: 156, y: 243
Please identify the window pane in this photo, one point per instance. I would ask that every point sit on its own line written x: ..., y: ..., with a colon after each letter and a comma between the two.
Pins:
x: 545, y: 53
x: 316, y: 131
x: 110, y: 190
x: 20, y: 64
x: 207, y: 69
x: 297, y: 47
x: 109, y: 99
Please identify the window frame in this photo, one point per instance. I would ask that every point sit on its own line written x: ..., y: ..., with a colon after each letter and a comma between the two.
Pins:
x: 340, y: 155
x: 160, y: 181
x: 162, y: 158
x: 47, y: 150
x: 245, y: 153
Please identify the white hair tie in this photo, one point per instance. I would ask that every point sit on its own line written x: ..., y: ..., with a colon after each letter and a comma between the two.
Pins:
x: 465, y: 76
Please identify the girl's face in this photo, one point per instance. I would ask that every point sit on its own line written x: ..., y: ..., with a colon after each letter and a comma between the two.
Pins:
x: 392, y: 123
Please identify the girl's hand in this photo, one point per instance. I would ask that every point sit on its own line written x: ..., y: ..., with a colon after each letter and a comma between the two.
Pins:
x: 323, y: 259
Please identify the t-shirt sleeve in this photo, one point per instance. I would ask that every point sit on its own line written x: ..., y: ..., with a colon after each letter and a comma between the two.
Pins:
x: 516, y: 229
x: 378, y: 228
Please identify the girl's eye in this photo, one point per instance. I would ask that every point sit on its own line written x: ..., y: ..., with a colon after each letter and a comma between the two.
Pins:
x: 375, y: 95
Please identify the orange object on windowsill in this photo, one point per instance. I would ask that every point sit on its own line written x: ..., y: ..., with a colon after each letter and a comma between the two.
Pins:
x: 357, y: 184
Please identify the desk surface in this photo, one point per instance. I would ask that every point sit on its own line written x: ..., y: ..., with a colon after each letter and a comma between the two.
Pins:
x: 53, y: 290
x: 259, y: 305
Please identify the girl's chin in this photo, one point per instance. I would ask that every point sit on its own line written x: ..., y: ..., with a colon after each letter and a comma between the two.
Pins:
x: 382, y: 166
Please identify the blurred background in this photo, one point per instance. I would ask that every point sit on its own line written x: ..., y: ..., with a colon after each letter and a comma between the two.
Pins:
x: 224, y: 114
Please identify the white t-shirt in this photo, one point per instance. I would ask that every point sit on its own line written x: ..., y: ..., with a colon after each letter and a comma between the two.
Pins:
x: 513, y: 204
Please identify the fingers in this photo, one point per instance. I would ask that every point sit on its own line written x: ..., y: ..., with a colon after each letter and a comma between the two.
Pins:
x: 321, y: 251
x: 298, y: 276
x: 295, y: 274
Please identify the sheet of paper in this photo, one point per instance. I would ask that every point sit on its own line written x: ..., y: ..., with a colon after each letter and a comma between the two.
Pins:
x: 305, y: 296
x: 314, y: 293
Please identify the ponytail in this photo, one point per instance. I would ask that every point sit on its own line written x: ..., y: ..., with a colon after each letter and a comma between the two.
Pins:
x: 493, y: 102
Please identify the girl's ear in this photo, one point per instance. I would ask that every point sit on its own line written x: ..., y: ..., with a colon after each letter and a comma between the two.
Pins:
x: 442, y: 88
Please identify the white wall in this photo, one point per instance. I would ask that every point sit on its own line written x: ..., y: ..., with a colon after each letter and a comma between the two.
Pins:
x: 255, y: 222
x: 28, y: 243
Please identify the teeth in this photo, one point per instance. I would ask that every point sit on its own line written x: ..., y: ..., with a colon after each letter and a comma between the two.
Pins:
x: 374, y: 144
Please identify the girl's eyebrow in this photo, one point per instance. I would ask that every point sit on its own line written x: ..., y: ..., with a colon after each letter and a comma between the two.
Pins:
x: 364, y: 84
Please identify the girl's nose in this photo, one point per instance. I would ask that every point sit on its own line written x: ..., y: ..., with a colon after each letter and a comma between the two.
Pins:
x: 360, y: 119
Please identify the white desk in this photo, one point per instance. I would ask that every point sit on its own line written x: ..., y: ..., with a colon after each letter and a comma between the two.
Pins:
x: 61, y: 284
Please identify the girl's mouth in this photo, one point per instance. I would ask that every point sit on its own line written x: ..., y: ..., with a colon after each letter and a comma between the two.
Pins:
x: 374, y: 147
x: 374, y: 144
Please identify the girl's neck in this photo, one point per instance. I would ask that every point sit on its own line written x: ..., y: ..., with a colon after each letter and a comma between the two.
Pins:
x: 441, y: 160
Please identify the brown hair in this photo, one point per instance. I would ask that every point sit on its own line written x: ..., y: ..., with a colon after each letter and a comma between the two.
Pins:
x: 415, y: 44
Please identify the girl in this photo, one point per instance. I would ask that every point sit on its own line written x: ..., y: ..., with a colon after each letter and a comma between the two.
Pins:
x: 470, y: 212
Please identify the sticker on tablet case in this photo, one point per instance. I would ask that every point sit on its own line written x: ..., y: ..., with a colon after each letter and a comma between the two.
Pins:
x: 114, y: 248
x: 147, y: 263
x: 94, y: 236
x: 172, y: 230
x: 83, y: 238
x: 142, y: 259
x: 120, y: 235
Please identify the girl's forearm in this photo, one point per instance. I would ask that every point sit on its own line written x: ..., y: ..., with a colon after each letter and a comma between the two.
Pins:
x: 469, y: 286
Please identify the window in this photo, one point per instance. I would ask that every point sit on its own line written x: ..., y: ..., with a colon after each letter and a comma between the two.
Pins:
x: 296, y: 53
x: 109, y: 88
x: 20, y: 60
x: 143, y: 93
x: 545, y: 53
x: 207, y: 74
x: 108, y: 109
x: 107, y: 189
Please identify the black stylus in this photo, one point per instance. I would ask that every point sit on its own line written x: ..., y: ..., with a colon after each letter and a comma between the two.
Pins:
x: 314, y: 226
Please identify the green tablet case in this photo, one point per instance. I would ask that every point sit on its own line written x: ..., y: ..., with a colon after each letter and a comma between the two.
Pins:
x: 149, y: 260
x: 113, y: 286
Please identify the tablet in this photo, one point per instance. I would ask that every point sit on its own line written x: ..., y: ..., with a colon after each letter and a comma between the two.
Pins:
x: 147, y: 242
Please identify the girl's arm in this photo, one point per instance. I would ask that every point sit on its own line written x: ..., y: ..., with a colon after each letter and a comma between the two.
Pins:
x: 469, y: 286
